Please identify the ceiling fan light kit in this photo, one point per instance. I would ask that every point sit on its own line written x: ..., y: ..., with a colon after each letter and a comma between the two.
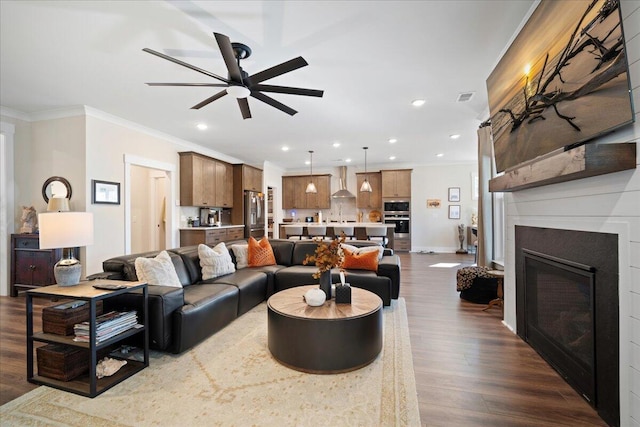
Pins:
x: 239, y: 84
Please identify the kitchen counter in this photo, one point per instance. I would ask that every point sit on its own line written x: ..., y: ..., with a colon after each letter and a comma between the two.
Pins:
x: 359, y: 229
x: 211, y: 236
x: 211, y: 227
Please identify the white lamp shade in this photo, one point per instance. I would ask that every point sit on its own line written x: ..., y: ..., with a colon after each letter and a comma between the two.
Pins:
x: 65, y: 229
x: 311, y: 188
x: 366, y: 187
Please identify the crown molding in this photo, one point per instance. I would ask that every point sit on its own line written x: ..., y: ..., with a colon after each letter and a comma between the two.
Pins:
x: 14, y: 114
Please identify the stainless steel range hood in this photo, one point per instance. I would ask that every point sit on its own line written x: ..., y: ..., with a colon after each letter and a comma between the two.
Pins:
x: 343, y: 193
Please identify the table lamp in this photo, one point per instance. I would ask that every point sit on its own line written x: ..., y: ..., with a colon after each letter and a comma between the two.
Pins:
x: 66, y: 230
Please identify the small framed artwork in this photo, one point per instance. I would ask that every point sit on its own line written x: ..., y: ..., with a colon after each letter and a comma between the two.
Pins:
x: 105, y: 192
x: 433, y: 203
x: 454, y: 211
x: 454, y: 194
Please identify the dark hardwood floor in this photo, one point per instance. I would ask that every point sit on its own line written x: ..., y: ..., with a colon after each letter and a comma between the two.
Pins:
x: 470, y: 369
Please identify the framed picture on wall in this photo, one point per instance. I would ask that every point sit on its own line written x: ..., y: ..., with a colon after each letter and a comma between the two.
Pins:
x: 105, y: 192
x: 454, y: 194
x: 454, y: 211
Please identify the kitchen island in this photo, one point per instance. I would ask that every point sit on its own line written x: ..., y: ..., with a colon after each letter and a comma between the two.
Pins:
x: 359, y: 229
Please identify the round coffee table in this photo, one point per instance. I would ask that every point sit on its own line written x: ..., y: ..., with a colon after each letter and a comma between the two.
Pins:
x: 328, y: 339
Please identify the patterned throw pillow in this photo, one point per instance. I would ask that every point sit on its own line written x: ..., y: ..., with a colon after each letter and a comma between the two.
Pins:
x: 260, y: 253
x: 367, y: 260
x: 379, y: 249
x: 215, y: 261
x: 242, y: 255
x: 157, y: 271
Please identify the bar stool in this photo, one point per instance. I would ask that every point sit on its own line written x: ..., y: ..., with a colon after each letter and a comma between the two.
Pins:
x: 294, y: 231
x: 348, y: 231
x: 377, y: 233
x: 317, y: 231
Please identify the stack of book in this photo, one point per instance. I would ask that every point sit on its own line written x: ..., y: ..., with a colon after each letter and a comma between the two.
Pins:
x: 108, y: 325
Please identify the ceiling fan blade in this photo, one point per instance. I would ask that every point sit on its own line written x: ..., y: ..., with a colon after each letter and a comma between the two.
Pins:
x: 285, y: 67
x: 209, y: 100
x: 188, y: 84
x: 184, y: 64
x: 229, y: 58
x: 288, y: 90
x: 268, y: 100
x: 244, y: 108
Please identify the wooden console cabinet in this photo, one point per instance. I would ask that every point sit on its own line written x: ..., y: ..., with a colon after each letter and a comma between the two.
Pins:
x: 32, y: 267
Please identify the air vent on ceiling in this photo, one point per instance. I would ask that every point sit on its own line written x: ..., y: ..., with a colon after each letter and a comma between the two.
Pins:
x: 465, y: 96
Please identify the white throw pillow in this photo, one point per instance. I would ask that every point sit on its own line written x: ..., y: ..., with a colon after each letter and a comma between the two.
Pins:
x: 356, y: 250
x: 215, y: 261
x: 157, y: 271
x: 242, y: 255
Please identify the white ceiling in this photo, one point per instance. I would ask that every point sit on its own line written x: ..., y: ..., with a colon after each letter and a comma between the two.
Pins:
x: 372, y: 58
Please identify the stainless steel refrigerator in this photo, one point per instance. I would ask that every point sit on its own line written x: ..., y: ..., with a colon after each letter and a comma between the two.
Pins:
x: 254, y: 216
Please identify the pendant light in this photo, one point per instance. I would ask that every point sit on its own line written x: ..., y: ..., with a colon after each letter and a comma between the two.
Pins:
x: 365, y: 187
x: 311, y: 187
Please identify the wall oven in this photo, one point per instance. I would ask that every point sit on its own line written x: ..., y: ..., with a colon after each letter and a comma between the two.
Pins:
x: 401, y: 225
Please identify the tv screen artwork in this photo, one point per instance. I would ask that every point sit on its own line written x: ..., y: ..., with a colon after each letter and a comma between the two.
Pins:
x: 564, y: 80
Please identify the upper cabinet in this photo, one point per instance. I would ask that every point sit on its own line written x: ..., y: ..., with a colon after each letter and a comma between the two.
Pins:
x: 205, y: 181
x: 366, y: 200
x: 396, y: 183
x: 251, y: 178
x: 294, y: 194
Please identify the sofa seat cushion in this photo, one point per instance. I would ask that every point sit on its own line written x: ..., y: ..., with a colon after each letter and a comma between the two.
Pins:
x: 208, y: 308
x: 251, y: 284
x: 296, y: 275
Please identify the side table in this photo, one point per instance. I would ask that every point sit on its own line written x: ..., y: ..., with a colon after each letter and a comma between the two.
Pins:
x: 499, y: 301
x: 87, y: 385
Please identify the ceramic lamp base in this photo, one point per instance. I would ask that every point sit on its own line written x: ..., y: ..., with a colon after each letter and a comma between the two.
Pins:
x: 67, y: 272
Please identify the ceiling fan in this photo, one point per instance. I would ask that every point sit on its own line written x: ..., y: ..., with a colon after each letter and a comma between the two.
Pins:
x: 239, y: 83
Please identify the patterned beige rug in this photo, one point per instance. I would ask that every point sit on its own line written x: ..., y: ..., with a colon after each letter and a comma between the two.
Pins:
x: 232, y: 380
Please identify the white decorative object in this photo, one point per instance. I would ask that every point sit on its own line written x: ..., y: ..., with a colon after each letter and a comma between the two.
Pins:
x: 215, y: 261
x: 241, y: 251
x: 108, y: 366
x: 315, y: 297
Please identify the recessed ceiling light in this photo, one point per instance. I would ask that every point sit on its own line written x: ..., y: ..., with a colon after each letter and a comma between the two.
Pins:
x: 336, y: 144
x: 392, y: 140
x: 392, y: 157
x: 454, y: 136
x: 440, y: 155
x: 347, y: 160
x: 418, y: 102
x: 307, y: 162
x: 285, y: 148
x: 202, y: 126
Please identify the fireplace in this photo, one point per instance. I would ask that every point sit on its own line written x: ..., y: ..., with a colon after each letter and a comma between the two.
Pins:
x: 567, y: 308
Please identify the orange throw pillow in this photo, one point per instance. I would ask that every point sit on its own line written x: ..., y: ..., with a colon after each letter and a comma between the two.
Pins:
x: 260, y: 253
x: 360, y: 261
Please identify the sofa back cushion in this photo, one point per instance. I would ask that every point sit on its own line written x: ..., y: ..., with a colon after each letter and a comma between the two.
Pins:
x: 125, y: 266
x: 191, y: 262
x: 302, y: 249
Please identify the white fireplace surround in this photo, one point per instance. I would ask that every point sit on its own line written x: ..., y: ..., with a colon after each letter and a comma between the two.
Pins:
x: 608, y: 204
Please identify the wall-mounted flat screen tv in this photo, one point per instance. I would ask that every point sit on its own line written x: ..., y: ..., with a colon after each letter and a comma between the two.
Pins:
x: 563, y: 81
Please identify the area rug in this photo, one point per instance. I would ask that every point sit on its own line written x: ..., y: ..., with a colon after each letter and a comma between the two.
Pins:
x: 231, y: 379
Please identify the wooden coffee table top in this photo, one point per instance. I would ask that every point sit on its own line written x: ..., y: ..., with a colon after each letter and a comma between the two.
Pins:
x: 289, y: 302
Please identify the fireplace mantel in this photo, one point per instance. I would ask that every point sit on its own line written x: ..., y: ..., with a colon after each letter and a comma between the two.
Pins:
x: 579, y: 162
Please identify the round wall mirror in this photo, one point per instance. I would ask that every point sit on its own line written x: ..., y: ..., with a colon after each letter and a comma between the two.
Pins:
x: 56, y: 186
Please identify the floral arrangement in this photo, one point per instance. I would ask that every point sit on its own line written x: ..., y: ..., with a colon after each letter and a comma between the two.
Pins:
x: 327, y: 255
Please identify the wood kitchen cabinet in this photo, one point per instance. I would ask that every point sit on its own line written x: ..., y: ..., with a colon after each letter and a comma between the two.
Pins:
x: 294, y: 194
x: 251, y: 178
x: 396, y: 183
x: 32, y: 267
x: 205, y: 181
x: 210, y: 236
x: 373, y: 200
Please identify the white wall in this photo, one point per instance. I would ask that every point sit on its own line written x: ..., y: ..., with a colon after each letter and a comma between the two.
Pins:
x: 608, y: 203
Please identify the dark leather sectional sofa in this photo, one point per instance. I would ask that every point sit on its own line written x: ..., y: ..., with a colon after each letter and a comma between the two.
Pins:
x: 180, y: 318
